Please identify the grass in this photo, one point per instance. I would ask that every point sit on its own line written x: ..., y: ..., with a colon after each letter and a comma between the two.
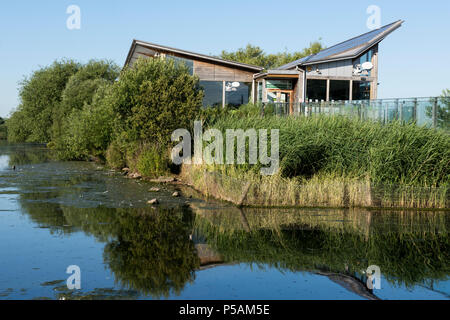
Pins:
x: 336, y: 161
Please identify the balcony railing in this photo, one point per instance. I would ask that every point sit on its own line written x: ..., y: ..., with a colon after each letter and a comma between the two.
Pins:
x: 432, y: 111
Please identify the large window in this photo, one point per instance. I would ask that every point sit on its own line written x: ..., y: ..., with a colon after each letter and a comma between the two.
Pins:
x: 260, y: 91
x: 279, y: 84
x: 237, y: 93
x: 339, y: 90
x: 316, y: 89
x: 189, y: 63
x: 213, y: 93
x: 366, y: 57
x: 361, y: 90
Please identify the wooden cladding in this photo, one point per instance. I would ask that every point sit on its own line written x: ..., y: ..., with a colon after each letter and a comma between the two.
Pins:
x: 215, y: 72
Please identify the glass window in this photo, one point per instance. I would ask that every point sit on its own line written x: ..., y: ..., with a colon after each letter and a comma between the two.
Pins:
x: 213, y: 93
x: 316, y: 89
x: 339, y: 90
x: 366, y: 57
x: 260, y: 91
x: 361, y: 90
x: 279, y: 84
x: 237, y: 93
x: 272, y: 96
x: 187, y: 62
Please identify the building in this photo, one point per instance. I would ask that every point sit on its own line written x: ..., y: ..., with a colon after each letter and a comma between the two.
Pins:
x: 344, y: 72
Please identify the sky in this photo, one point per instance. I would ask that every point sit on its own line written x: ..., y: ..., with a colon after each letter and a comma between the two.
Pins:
x: 414, y: 60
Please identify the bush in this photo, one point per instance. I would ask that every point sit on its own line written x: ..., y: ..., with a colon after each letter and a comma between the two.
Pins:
x: 88, y: 131
x: 154, y: 98
x: 115, y: 156
x: 40, y: 96
x: 80, y: 91
x: 154, y: 161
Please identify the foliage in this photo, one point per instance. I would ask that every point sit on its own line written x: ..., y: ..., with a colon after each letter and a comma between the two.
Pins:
x: 3, y: 129
x: 256, y: 56
x: 153, y: 160
x: 153, y: 99
x: 48, y: 96
x: 40, y: 95
x: 80, y: 91
x: 395, y: 153
x: 88, y: 132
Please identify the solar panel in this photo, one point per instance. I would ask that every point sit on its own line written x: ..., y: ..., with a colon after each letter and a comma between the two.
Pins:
x: 341, y: 47
x: 349, y: 44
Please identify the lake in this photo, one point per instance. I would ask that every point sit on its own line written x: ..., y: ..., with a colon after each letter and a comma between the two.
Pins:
x: 58, y: 214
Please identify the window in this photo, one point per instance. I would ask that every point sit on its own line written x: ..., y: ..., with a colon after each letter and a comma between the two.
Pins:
x: 213, y: 93
x: 316, y: 89
x: 237, y: 93
x: 260, y: 91
x: 339, y: 90
x: 366, y: 57
x: 279, y: 84
x: 189, y: 63
x: 361, y: 90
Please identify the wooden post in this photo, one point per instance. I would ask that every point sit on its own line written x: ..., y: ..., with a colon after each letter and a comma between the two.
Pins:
x: 253, y: 91
x: 328, y: 90
x: 350, y: 97
x: 223, y: 94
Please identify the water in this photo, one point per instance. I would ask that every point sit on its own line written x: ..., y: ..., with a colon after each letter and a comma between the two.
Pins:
x: 57, y: 214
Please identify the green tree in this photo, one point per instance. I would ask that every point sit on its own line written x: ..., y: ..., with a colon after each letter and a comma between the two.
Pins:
x: 154, y: 98
x: 40, y: 95
x: 256, y: 56
x: 80, y: 90
x: 88, y: 131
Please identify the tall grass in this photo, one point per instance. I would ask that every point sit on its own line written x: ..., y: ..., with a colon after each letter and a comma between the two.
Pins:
x: 396, y: 153
x: 336, y: 161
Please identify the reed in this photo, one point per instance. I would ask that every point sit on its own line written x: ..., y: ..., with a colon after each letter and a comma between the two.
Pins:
x: 338, y: 162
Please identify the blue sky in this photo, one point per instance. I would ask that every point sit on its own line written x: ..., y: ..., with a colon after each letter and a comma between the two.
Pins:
x: 414, y: 60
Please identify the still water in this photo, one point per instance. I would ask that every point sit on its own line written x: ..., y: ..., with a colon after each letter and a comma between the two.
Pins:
x: 57, y: 214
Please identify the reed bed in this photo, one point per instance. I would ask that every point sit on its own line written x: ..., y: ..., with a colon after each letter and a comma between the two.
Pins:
x: 334, y: 161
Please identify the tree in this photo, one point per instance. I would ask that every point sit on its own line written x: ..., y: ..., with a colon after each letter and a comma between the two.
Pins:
x: 154, y: 98
x: 40, y: 95
x: 79, y: 93
x: 256, y: 56
x: 88, y: 131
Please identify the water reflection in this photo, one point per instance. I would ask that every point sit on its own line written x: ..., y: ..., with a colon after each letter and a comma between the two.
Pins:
x: 158, y: 252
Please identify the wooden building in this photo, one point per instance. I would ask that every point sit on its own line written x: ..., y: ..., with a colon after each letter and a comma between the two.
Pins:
x: 344, y: 72
x: 224, y: 82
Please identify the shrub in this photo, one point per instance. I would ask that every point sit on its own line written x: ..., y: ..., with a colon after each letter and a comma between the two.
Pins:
x: 115, y: 157
x: 80, y: 91
x: 88, y: 131
x: 40, y: 96
x: 154, y: 98
x: 153, y: 160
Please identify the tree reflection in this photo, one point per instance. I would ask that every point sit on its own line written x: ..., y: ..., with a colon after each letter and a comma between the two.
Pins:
x: 153, y: 253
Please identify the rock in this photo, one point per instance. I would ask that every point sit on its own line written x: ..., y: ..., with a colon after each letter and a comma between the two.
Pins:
x: 135, y: 175
x: 126, y: 169
x: 154, y: 189
x: 163, y: 180
x: 153, y: 201
x: 176, y: 194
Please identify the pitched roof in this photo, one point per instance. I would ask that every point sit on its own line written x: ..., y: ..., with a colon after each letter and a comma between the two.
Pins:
x: 189, y: 54
x: 349, y: 49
